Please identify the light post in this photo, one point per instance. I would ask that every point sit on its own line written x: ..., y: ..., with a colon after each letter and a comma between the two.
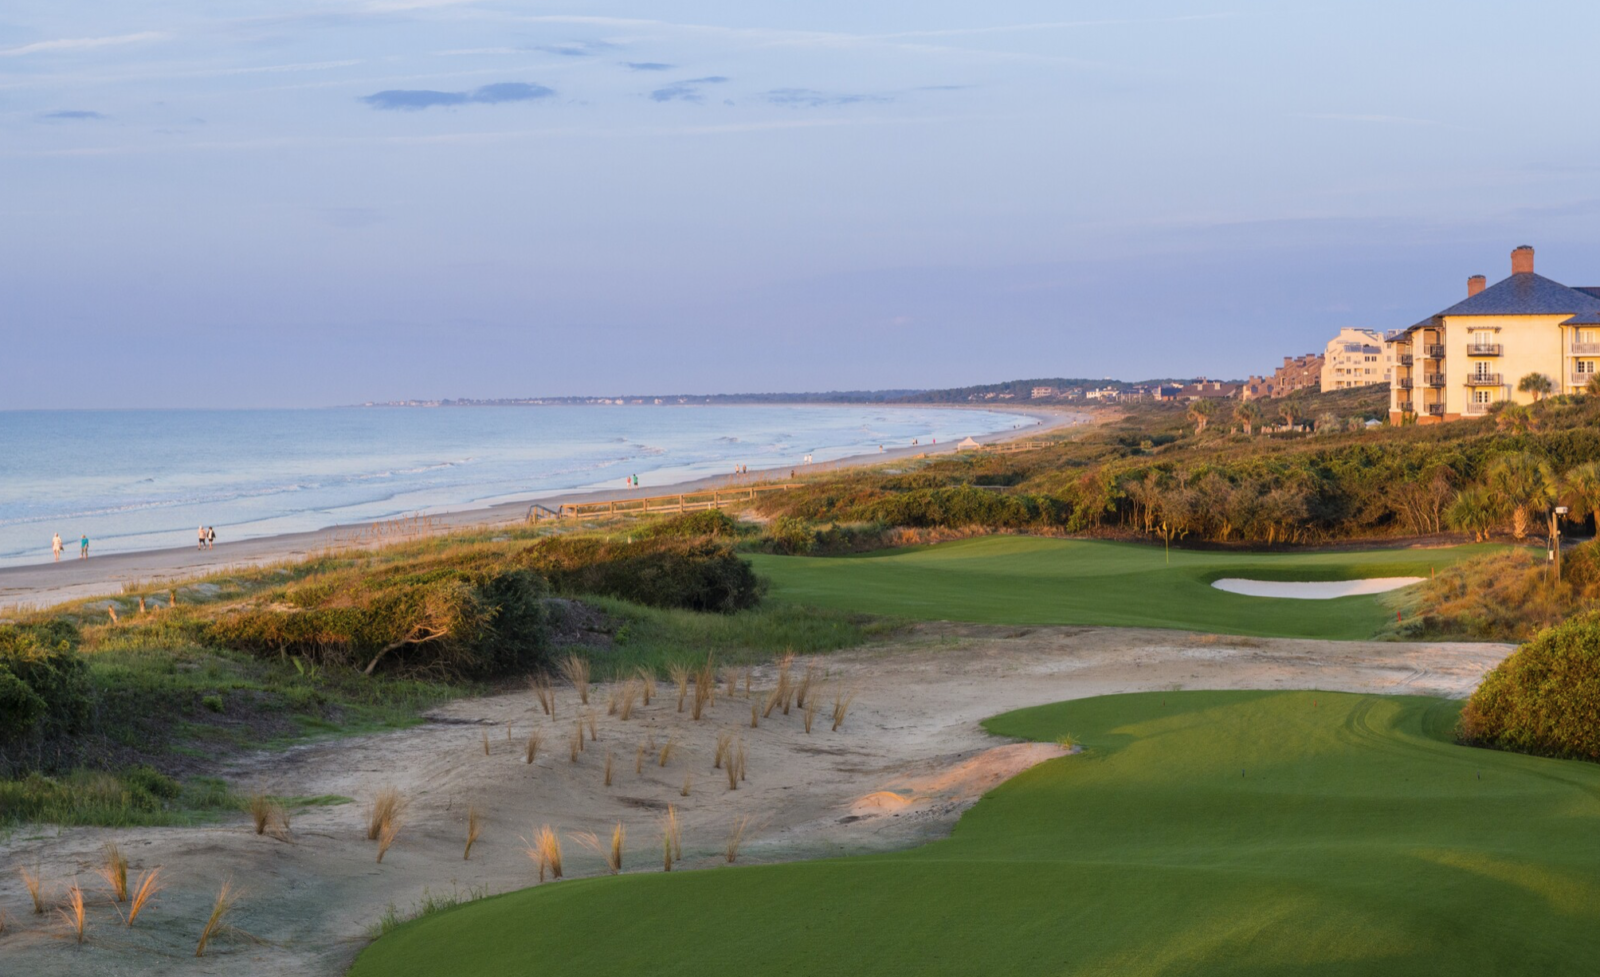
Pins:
x: 1555, y: 537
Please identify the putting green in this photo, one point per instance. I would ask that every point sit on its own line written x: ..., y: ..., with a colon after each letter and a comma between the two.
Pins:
x: 1226, y: 833
x: 1028, y: 580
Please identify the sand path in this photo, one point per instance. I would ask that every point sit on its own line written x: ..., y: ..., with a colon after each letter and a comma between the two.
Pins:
x: 909, y: 758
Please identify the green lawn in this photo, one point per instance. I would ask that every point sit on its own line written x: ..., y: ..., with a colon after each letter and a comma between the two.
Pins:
x: 1226, y: 833
x: 1028, y: 580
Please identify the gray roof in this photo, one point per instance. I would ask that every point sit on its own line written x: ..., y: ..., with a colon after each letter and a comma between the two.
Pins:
x: 1588, y: 290
x: 1585, y: 319
x: 1527, y: 294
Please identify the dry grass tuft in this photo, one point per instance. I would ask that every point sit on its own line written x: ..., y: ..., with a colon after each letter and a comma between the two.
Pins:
x: 755, y: 713
x: 647, y: 684
x: 577, y: 742
x: 486, y: 742
x: 611, y: 761
x: 743, y: 766
x: 724, y: 738
x: 149, y: 885
x: 667, y: 749
x: 32, y: 882
x: 749, y: 674
x: 688, y: 782
x: 612, y: 853
x: 806, y: 682
x: 544, y: 693
x: 532, y: 751
x: 114, y: 869
x: 74, y: 913
x: 841, y: 707
x: 613, y: 701
x: 474, y: 829
x: 260, y: 808
x: 278, y: 823
x: 680, y: 677
x: 588, y: 717
x: 735, y: 839
x: 630, y: 698
x: 705, y: 688
x: 638, y: 760
x: 545, y: 852
x: 731, y: 767
x: 386, y: 837
x: 576, y: 671
x: 774, y: 698
x: 226, y: 897
x: 509, y: 737
x: 386, y: 807
x: 733, y: 683
x: 674, y: 832
x: 811, y: 710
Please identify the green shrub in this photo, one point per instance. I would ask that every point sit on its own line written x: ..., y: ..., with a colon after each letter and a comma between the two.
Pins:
x: 1545, y: 698
x: 790, y: 536
x: 707, y: 522
x: 699, y: 574
x: 44, y: 682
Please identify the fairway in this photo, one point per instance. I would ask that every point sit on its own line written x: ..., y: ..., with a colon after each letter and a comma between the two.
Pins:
x: 1200, y: 833
x: 1030, y: 580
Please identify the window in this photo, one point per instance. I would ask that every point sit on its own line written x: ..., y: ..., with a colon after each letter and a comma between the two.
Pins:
x: 1586, y: 366
x: 1480, y: 369
x: 1482, y: 338
x: 1482, y: 397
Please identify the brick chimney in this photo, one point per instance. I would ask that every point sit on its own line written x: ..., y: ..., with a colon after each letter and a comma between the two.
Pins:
x: 1476, y: 284
x: 1522, y: 261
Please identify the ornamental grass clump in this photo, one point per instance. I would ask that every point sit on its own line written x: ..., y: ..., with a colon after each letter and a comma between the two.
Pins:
x: 735, y: 839
x: 544, y: 693
x: 531, y: 751
x: 841, y: 707
x: 114, y: 869
x: 545, y: 852
x: 385, y: 807
x: 576, y: 670
x: 667, y: 750
x: 226, y: 897
x: 74, y: 914
x: 260, y: 808
x: 647, y: 684
x: 474, y: 829
x: 594, y: 733
x: 386, y: 837
x: 811, y: 711
x: 611, y: 760
x: 31, y: 880
x: 149, y: 884
x: 705, y: 689
x: 724, y: 739
x: 629, y: 699
x: 680, y: 677
x: 611, y: 852
x: 804, y: 688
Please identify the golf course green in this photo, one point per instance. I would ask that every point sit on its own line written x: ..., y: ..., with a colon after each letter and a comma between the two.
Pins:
x: 1031, y: 580
x: 1199, y: 833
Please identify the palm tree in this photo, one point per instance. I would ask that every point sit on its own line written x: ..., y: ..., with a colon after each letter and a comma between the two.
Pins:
x: 1200, y: 411
x: 1474, y: 511
x: 1248, y: 415
x: 1580, y: 489
x: 1290, y: 414
x: 1516, y: 419
x: 1327, y: 422
x: 1537, y: 384
x: 1521, y: 484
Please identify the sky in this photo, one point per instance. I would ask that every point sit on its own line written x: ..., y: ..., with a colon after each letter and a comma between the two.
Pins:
x: 317, y: 202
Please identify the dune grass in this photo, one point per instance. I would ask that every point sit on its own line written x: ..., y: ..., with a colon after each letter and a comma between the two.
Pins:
x: 1028, y: 580
x: 1201, y: 833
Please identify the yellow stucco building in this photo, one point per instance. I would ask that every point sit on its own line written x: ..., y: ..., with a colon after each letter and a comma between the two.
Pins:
x: 1355, y: 358
x: 1464, y: 360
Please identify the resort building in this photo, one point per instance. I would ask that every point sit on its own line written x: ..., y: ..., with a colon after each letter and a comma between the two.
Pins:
x: 1355, y: 358
x: 1473, y: 355
x: 1296, y: 373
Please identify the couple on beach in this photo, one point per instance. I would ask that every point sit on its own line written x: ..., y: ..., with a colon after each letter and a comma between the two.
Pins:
x: 206, y: 537
x: 83, y: 547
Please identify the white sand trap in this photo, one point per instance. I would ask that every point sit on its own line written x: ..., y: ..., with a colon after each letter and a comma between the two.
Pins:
x: 1312, y: 589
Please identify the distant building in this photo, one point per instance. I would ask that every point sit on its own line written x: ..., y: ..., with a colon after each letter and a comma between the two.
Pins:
x: 1200, y: 389
x: 1105, y: 394
x: 1354, y: 358
x: 1045, y: 393
x: 1473, y: 355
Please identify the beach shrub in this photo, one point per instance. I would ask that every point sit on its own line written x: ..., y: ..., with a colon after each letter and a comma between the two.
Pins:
x: 707, y: 522
x: 965, y: 505
x: 44, y: 682
x: 697, y: 574
x: 1545, y: 698
x: 790, y: 536
x: 411, y: 618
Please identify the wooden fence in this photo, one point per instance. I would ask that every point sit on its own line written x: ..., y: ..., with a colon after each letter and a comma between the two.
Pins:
x: 660, y: 504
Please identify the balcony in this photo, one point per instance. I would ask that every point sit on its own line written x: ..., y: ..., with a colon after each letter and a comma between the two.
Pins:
x: 1404, y: 383
x: 1586, y: 349
x: 1478, y: 410
x: 1406, y: 359
x: 1581, y: 380
x: 1485, y: 380
x: 1405, y: 407
x: 1436, y: 410
x: 1435, y: 379
x: 1434, y: 352
x: 1484, y: 349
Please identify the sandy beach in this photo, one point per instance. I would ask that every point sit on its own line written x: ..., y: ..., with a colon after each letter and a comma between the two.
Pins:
x: 45, y: 584
x: 910, y: 757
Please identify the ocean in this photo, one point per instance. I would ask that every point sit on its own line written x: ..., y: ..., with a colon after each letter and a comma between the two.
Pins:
x: 145, y: 479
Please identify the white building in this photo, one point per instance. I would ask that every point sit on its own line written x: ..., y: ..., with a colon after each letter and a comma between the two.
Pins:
x: 1355, y: 358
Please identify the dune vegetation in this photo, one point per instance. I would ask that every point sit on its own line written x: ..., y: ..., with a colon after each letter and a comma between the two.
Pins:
x: 1545, y: 698
x: 1197, y: 832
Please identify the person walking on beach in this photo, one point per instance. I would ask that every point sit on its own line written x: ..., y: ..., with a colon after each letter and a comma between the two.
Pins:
x: 200, y: 537
x: 83, y: 547
x: 55, y: 546
x: 211, y: 537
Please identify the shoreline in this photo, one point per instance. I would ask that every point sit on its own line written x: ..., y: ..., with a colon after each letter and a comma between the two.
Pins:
x: 37, y: 586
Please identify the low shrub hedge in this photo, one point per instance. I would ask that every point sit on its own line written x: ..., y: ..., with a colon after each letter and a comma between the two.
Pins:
x: 1545, y: 698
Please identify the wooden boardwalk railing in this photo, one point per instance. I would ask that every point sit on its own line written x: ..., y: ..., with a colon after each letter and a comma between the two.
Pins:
x: 1007, y: 447
x: 663, y: 504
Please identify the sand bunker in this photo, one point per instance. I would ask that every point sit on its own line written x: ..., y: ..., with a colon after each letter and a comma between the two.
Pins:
x: 1312, y: 589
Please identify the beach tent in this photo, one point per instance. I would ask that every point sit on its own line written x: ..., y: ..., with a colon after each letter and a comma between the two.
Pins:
x: 968, y: 445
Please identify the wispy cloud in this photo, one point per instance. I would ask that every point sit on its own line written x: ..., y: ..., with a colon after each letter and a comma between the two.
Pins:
x: 1377, y: 119
x: 810, y: 98
x: 574, y: 49
x: 686, y: 91
x: 81, y: 43
x: 1053, y: 25
x: 647, y: 66
x: 415, y: 100
x: 70, y: 115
